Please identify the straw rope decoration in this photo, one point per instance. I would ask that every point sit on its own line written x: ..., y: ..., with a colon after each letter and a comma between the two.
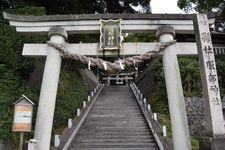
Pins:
x: 112, y: 67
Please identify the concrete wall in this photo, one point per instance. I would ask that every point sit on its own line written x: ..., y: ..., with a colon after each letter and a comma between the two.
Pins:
x: 146, y: 82
x: 90, y: 79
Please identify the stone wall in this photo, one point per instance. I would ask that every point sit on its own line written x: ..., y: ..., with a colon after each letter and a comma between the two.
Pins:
x: 195, y: 115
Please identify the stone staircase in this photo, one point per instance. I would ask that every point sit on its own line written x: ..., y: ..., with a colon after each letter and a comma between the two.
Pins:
x: 115, y: 122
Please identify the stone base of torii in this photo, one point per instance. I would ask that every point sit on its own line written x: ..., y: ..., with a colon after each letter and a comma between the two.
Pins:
x: 214, y: 137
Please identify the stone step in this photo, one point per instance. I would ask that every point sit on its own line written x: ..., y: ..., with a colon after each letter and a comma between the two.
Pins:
x: 117, y: 111
x: 116, y: 128
x: 104, y: 133
x: 119, y: 140
x: 131, y: 137
x: 112, y: 115
x: 87, y: 125
x: 114, y: 148
x: 114, y: 145
x: 110, y: 119
x: 115, y: 122
x: 114, y: 131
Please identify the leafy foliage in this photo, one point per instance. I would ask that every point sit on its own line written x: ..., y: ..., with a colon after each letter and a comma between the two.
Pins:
x: 11, y: 87
x: 12, y: 44
x: 81, y: 6
x: 135, y: 37
x: 71, y: 93
x: 205, y: 6
x: 15, y: 72
x: 202, y: 6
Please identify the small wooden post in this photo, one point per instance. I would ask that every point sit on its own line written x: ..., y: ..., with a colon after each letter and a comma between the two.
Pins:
x: 78, y: 112
x: 164, y: 131
x: 155, y: 116
x: 70, y: 123
x: 84, y: 104
x: 21, y: 140
x: 149, y: 107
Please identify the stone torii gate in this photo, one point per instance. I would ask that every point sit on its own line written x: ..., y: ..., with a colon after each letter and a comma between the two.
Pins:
x: 165, y: 25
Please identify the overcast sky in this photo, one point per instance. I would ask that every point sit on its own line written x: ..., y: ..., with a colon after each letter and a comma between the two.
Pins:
x: 165, y: 6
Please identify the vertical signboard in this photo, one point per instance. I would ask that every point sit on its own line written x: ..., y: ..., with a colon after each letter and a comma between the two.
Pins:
x: 211, y: 92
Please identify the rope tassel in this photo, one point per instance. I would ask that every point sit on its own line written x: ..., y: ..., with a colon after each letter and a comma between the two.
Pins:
x: 89, y: 65
x: 121, y: 65
x: 104, y: 65
x: 135, y: 66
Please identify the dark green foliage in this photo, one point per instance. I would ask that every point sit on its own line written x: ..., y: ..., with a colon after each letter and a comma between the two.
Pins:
x: 137, y: 37
x: 202, y: 6
x: 14, y: 71
x: 82, y: 6
x: 220, y: 64
x: 205, y: 6
x: 12, y: 43
x: 71, y: 94
x: 11, y: 87
x: 190, y: 76
x: 191, y: 82
x: 159, y: 98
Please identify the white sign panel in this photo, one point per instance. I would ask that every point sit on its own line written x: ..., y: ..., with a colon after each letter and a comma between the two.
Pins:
x: 23, y: 117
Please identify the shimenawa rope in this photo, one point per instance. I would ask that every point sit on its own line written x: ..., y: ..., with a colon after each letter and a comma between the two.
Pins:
x: 115, y: 66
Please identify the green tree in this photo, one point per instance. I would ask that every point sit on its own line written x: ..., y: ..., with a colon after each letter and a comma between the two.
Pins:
x: 202, y: 6
x: 81, y: 6
x: 15, y: 74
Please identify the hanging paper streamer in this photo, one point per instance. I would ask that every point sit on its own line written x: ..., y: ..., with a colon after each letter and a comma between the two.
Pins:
x: 89, y: 65
x: 105, y: 65
x: 135, y: 66
x: 121, y: 65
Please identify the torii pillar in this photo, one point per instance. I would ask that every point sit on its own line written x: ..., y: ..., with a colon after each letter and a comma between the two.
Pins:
x: 181, y: 137
x: 46, y: 106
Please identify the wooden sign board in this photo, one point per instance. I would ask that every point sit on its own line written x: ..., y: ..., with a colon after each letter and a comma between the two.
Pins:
x: 23, y: 115
x: 110, y: 34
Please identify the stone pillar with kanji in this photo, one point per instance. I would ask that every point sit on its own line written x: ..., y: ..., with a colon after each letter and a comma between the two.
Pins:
x: 214, y: 136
